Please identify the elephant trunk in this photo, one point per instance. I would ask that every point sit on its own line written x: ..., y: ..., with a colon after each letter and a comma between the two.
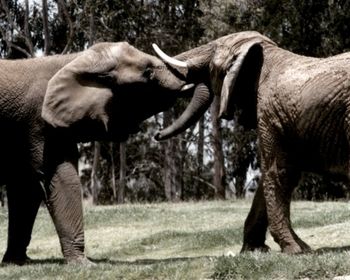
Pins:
x: 200, y: 102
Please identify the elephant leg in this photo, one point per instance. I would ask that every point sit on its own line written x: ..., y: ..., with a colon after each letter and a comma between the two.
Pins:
x: 64, y: 198
x: 64, y: 202
x: 255, y: 226
x: 278, y: 184
x: 23, y: 203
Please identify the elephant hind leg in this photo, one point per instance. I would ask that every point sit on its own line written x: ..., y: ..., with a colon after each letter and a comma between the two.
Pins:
x: 255, y: 226
x: 23, y: 202
x: 279, y: 182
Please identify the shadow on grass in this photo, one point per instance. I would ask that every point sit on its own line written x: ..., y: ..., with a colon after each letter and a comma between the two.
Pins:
x: 58, y: 261
x: 37, y: 262
x: 47, y: 261
x: 61, y: 261
x: 148, y: 261
x: 332, y: 250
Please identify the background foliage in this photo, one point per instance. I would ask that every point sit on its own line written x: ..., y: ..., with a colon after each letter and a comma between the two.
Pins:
x: 182, y: 168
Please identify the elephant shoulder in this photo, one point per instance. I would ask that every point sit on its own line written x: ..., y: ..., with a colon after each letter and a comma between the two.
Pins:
x: 34, y: 97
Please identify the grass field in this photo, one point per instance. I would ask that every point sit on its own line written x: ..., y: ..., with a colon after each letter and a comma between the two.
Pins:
x: 187, y: 241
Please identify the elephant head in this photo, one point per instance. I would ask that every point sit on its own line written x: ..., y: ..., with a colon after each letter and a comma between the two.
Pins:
x: 107, y: 90
x: 229, y: 67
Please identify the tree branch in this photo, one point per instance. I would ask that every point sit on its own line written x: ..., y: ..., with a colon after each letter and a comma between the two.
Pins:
x: 11, y: 45
x: 26, y: 29
x: 205, y: 182
x: 12, y: 24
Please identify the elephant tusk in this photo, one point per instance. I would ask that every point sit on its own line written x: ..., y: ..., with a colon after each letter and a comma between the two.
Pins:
x: 169, y: 59
x: 187, y: 87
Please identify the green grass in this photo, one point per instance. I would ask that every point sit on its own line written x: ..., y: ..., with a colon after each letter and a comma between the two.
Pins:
x: 282, y: 266
x: 187, y: 241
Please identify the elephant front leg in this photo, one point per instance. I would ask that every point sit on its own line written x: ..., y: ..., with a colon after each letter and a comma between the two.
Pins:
x: 64, y: 202
x: 278, y: 184
x: 255, y: 226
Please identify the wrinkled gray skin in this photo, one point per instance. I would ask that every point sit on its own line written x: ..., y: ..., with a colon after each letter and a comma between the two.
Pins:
x: 49, y: 104
x: 301, y: 107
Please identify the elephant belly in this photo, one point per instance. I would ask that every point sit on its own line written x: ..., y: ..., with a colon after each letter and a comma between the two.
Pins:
x: 322, y: 131
x: 21, y: 157
x: 325, y: 154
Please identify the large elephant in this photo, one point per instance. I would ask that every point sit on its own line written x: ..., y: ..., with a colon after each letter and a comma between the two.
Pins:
x: 49, y: 104
x: 301, y: 108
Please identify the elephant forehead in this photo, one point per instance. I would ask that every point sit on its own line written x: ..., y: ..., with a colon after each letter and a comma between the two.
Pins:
x: 125, y: 53
x: 119, y: 49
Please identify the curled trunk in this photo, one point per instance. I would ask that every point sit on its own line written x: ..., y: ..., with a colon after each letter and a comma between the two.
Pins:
x: 200, y: 102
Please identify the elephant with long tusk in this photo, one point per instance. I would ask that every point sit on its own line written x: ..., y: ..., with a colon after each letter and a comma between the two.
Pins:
x: 214, y: 68
x: 301, y: 108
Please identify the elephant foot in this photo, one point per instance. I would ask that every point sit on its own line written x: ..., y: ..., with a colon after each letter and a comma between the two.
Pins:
x: 296, y: 248
x: 15, y: 260
x: 255, y: 248
x: 83, y: 261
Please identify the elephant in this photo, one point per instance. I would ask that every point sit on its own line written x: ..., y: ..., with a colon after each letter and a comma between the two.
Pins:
x: 300, y: 107
x: 48, y: 105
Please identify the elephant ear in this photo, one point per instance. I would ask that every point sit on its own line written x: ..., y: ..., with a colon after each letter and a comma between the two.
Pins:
x: 79, y: 90
x: 239, y: 88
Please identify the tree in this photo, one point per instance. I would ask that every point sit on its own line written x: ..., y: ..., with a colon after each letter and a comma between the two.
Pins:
x: 95, y: 183
x: 240, y: 152
x: 122, y: 174
x: 46, y: 28
x: 14, y: 27
x: 219, y: 170
x: 200, y: 157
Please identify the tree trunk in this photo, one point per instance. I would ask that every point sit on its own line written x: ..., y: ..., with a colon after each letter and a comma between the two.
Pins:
x: 91, y: 27
x: 28, y: 37
x: 167, y: 159
x: 122, y: 173
x: 62, y: 5
x: 46, y: 28
x: 239, y: 186
x: 219, y: 170
x: 200, y: 157
x: 95, y: 183
x: 113, y: 182
x: 172, y: 164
